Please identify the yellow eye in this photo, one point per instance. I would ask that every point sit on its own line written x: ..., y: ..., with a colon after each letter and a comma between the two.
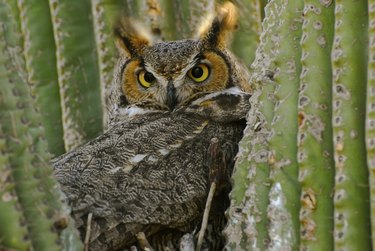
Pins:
x: 145, y: 79
x: 199, y: 73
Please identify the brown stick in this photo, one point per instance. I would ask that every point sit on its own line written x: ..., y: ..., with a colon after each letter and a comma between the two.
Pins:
x: 143, y: 242
x: 88, y: 232
x: 205, y: 216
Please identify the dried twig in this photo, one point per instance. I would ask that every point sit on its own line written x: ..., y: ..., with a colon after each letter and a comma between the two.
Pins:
x: 88, y: 232
x: 143, y: 242
x: 206, y: 215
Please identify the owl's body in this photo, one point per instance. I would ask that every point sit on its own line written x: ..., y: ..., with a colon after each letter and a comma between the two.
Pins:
x: 147, y: 175
x: 151, y: 170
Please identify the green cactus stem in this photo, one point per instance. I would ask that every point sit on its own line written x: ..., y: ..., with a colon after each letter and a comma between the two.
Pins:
x: 370, y: 116
x: 349, y: 64
x: 104, y: 13
x: 169, y: 20
x: 77, y: 70
x: 132, y: 8
x: 14, y: 235
x: 38, y: 205
x: 246, y: 38
x: 284, y: 195
x: 247, y: 222
x: 315, y: 149
x: 247, y: 218
x: 250, y: 225
x: 198, y: 11
x: 40, y: 59
x: 181, y: 19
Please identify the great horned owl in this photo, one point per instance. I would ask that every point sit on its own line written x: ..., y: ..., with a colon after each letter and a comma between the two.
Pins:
x: 151, y: 170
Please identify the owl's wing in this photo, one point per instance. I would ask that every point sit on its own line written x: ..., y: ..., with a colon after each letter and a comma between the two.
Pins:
x: 144, y: 174
x: 224, y: 106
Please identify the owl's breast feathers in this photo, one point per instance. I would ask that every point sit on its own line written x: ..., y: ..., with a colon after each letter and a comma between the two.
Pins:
x: 151, y: 171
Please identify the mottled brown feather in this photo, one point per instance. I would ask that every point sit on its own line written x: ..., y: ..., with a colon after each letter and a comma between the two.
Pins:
x: 149, y: 171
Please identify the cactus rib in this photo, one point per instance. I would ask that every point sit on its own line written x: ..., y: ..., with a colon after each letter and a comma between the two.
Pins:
x: 349, y: 61
x: 370, y: 115
x: 284, y: 205
x: 21, y: 124
x: 14, y: 235
x: 40, y: 65
x: 104, y: 13
x: 39, y: 206
x: 77, y: 71
x: 169, y: 20
x: 315, y: 150
x: 247, y: 224
x: 246, y: 38
x: 247, y: 219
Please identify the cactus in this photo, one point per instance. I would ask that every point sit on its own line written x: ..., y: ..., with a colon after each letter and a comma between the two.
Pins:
x: 246, y: 39
x: 332, y: 186
x: 304, y: 175
x: 282, y: 53
x: 32, y: 215
x: 106, y: 51
x: 349, y: 60
x: 370, y: 119
x: 315, y: 128
x: 14, y: 234
x: 39, y: 53
x: 77, y: 71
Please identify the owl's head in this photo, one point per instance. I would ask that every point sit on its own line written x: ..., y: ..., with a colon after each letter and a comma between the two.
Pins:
x: 167, y: 75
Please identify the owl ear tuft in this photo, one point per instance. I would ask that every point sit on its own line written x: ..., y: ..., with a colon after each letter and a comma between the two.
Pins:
x: 130, y: 37
x: 218, y: 31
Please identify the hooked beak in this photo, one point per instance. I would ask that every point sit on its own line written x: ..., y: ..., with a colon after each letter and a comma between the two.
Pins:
x: 171, y: 101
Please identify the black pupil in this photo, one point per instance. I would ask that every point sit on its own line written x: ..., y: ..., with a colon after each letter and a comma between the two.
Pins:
x: 197, y: 72
x: 149, y: 77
